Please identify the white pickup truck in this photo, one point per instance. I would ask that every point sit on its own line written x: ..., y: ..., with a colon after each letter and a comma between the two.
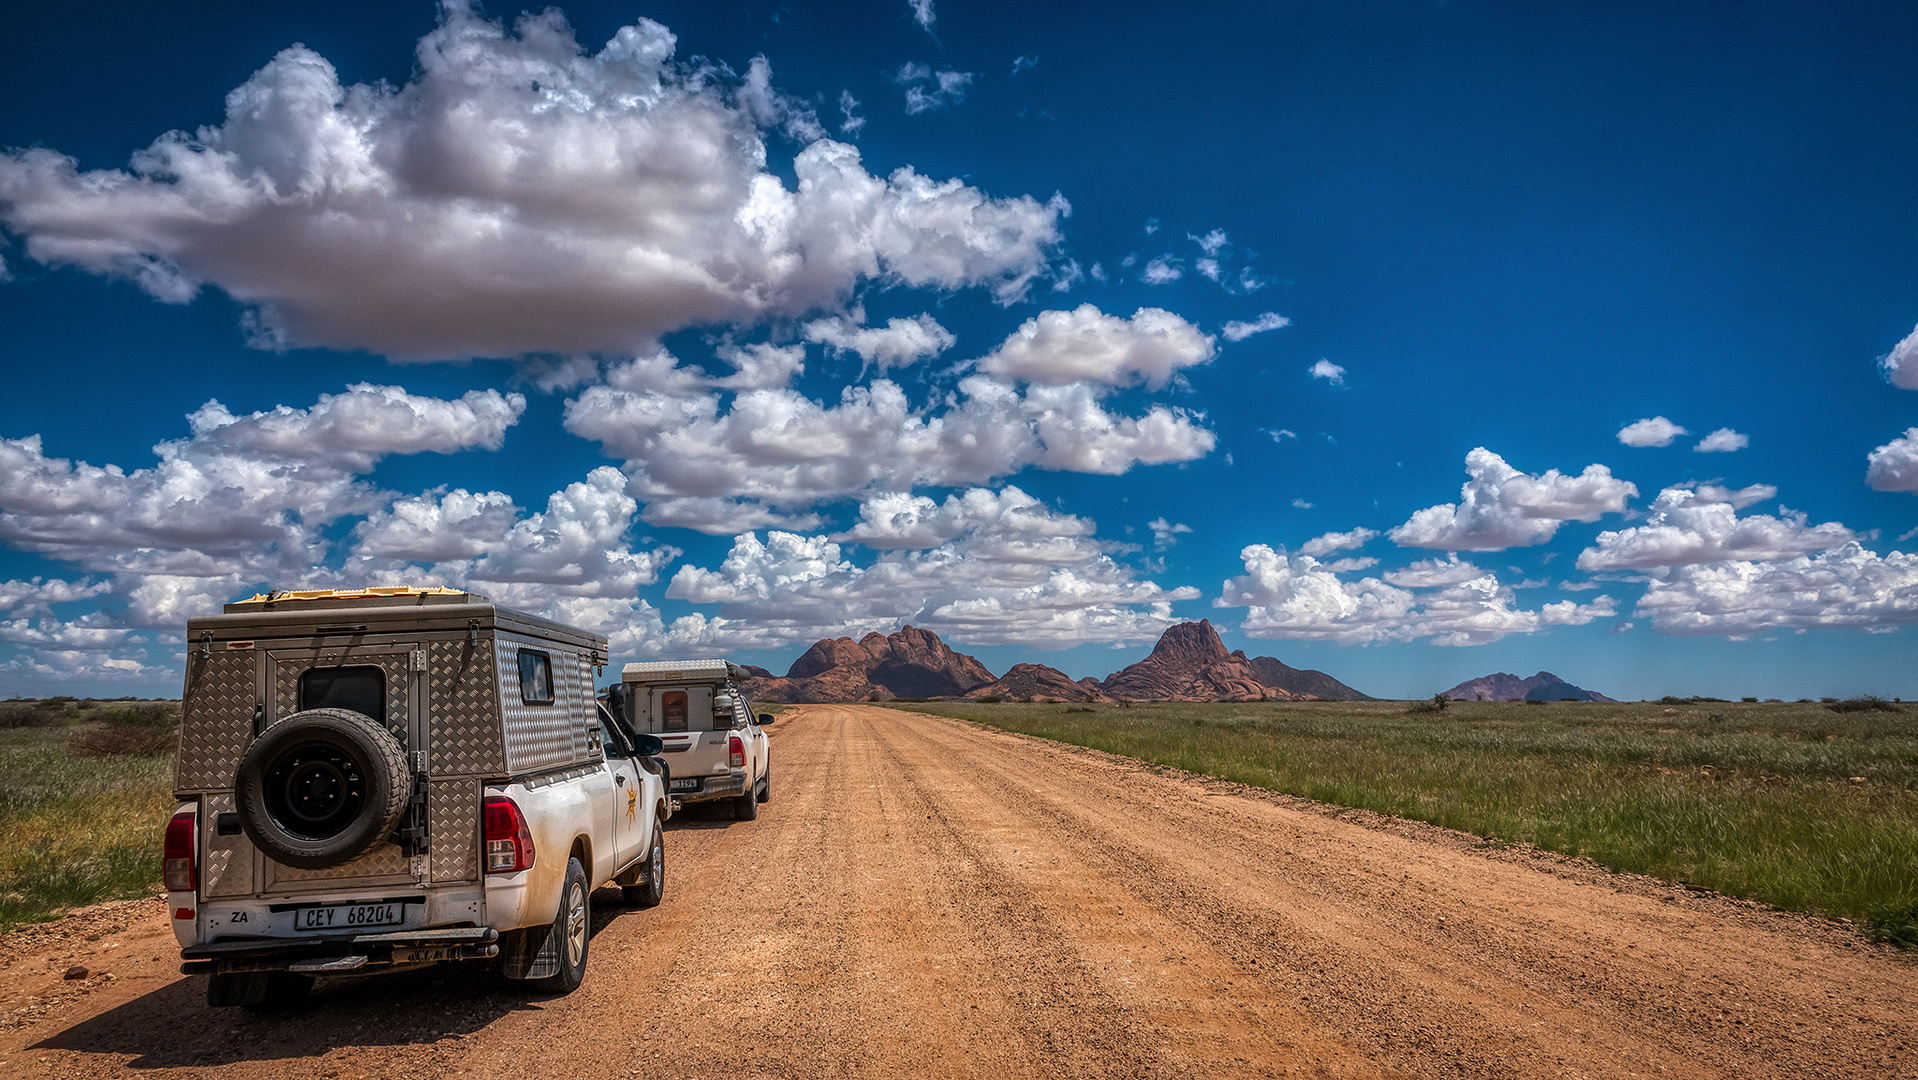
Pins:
x: 714, y: 746
x: 377, y: 779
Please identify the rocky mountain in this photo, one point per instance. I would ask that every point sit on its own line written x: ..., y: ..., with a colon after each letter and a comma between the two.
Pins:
x: 906, y: 663
x: 1543, y: 686
x: 1190, y: 663
x: 1040, y: 683
x: 1275, y: 673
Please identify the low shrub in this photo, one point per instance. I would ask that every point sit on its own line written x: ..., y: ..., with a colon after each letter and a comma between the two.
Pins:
x: 1436, y: 705
x: 1865, y: 703
x: 28, y: 714
x: 124, y: 740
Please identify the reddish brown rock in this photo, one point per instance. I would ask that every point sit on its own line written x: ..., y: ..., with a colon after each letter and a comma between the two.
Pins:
x: 908, y: 663
x: 1190, y: 663
x: 1039, y: 683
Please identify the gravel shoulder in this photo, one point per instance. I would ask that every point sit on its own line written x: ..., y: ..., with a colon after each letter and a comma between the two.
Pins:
x: 929, y: 898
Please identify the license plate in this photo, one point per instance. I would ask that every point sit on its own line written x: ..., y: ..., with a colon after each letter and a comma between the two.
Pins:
x: 685, y: 785
x: 348, y: 916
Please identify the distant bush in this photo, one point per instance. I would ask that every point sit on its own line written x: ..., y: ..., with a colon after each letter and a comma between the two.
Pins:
x: 1694, y: 700
x: 150, y: 714
x: 1534, y: 701
x: 124, y: 740
x: 992, y: 699
x: 1866, y: 703
x: 1438, y: 704
x: 27, y: 714
x: 1748, y: 699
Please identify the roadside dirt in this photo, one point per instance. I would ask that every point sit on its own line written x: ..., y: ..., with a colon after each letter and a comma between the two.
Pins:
x: 926, y: 898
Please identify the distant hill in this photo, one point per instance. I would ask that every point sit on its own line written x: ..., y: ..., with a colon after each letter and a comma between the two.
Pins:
x: 1190, y: 664
x: 1543, y: 686
x: 1318, y: 684
x: 909, y: 662
x: 1040, y: 683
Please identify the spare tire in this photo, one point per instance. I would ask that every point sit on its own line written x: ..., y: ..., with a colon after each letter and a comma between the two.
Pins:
x: 321, y: 788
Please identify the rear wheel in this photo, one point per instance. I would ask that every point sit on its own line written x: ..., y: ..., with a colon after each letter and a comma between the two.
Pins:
x: 652, y: 878
x: 746, y: 806
x: 570, y: 933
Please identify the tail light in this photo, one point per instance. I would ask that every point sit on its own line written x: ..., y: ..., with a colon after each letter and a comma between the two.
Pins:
x: 509, y: 844
x: 178, y: 851
x: 735, y: 752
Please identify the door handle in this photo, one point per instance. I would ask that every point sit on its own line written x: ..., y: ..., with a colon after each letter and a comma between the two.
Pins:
x: 618, y: 779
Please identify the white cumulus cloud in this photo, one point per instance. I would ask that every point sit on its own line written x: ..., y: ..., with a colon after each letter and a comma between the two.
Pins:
x: 898, y: 343
x: 983, y: 567
x: 1330, y: 372
x: 1685, y: 528
x: 1901, y: 364
x: 1338, y: 541
x: 1501, y: 507
x: 1295, y: 597
x: 518, y: 195
x: 1652, y: 431
x: 1847, y: 587
x: 1722, y: 441
x: 1163, y: 270
x: 1085, y: 344
x: 703, y: 468
x: 1894, y: 466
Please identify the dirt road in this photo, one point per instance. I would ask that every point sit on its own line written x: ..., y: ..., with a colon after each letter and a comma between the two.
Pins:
x: 924, y: 898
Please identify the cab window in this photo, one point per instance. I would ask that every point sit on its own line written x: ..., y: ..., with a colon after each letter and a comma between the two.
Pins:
x: 361, y: 689
x: 535, y: 677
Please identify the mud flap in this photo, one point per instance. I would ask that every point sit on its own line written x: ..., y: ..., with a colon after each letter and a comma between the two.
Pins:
x: 531, y: 953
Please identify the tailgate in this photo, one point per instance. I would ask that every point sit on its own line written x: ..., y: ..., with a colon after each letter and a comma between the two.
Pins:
x: 695, y: 753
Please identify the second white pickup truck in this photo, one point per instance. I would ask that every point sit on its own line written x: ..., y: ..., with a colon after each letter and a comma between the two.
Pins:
x: 713, y: 743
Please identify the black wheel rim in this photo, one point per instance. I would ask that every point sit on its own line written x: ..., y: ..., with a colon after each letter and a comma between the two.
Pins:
x: 315, y: 790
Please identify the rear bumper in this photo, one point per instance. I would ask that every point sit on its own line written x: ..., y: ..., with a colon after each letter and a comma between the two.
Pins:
x: 730, y: 786
x: 340, y: 953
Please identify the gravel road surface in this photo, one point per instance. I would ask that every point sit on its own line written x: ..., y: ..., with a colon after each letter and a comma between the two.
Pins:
x: 927, y: 898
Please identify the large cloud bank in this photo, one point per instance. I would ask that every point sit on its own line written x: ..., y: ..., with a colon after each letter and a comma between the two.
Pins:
x: 520, y: 195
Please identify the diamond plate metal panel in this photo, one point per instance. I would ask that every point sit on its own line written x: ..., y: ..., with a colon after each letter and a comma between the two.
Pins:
x: 542, y: 736
x: 289, y: 666
x: 453, y: 815
x: 226, y: 862
x: 217, y: 719
x: 386, y: 860
x: 463, y: 725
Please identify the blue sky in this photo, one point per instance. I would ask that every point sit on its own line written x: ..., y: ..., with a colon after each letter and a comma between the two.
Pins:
x: 1410, y: 342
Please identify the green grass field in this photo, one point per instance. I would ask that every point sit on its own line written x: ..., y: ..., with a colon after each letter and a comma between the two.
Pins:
x: 85, y: 790
x: 1793, y: 804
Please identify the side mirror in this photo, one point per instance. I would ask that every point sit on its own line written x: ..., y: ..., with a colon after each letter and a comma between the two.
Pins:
x: 648, y: 745
x: 765, y: 718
